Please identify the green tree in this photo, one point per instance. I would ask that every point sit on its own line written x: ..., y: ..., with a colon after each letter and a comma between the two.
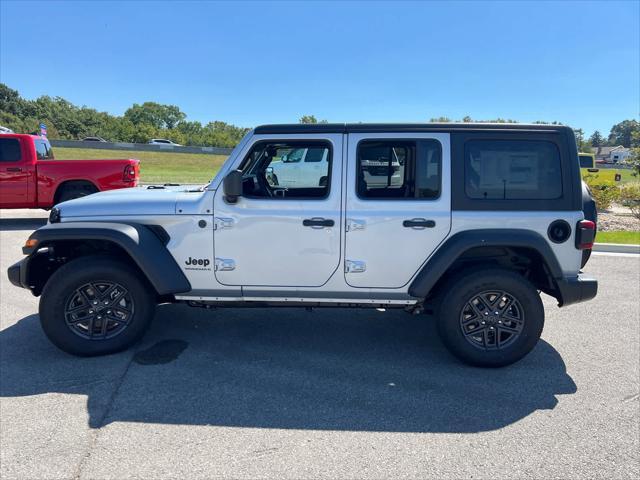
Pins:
x: 310, y: 119
x: 634, y: 161
x: 154, y: 114
x: 440, y: 119
x: 579, y: 133
x: 622, y: 133
x: 596, y: 139
x: 500, y: 120
x: 143, y: 133
x: 10, y: 100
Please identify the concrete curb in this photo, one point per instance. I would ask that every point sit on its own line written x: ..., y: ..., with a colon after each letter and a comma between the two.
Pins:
x: 616, y: 248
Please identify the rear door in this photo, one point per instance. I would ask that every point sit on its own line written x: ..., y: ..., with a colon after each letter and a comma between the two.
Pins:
x: 14, y: 176
x: 398, y: 205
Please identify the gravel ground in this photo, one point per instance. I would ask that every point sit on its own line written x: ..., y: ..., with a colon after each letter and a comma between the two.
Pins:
x: 609, y: 221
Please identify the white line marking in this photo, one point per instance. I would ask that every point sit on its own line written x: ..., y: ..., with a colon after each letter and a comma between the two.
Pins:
x: 615, y: 254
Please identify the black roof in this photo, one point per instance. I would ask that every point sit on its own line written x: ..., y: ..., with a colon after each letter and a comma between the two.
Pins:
x: 399, y: 127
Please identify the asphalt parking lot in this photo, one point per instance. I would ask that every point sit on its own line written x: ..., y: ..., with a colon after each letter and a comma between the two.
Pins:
x: 249, y: 393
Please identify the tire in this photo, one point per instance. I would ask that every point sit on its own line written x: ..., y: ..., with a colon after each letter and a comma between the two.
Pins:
x: 67, y: 297
x: 73, y: 192
x: 502, y: 339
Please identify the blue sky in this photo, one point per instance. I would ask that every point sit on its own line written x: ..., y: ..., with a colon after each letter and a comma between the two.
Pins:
x: 251, y: 63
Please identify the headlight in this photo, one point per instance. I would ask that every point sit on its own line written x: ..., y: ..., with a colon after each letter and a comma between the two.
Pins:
x: 54, y: 215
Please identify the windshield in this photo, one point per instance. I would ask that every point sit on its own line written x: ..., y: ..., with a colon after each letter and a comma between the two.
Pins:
x: 234, y: 153
x: 586, y: 161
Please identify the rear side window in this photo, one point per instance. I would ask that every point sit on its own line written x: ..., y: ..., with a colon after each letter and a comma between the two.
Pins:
x: 512, y: 170
x: 399, y: 169
x: 43, y: 150
x: 10, y: 150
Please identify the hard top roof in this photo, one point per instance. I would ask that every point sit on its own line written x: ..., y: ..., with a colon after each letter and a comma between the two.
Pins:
x: 398, y: 127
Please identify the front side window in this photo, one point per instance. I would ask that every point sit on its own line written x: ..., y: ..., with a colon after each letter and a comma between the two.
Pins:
x: 10, y: 150
x: 388, y: 169
x: 43, y: 150
x: 287, y: 170
x: 512, y: 169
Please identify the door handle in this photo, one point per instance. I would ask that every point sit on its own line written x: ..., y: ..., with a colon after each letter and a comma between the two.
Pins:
x: 14, y: 169
x: 419, y: 223
x: 318, y: 222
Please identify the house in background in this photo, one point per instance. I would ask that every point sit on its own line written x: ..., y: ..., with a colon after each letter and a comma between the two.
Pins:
x: 611, y: 154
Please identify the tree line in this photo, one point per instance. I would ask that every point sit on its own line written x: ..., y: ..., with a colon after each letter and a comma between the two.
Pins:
x: 141, y: 122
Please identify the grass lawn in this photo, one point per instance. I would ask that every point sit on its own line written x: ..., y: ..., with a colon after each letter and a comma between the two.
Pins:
x: 608, y: 174
x: 156, y: 167
x: 618, y: 237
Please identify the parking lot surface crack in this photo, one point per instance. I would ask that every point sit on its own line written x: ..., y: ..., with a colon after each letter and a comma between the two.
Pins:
x: 99, y: 423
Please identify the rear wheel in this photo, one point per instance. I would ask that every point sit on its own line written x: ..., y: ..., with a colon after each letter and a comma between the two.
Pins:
x: 490, y: 318
x: 70, y: 192
x: 96, y: 305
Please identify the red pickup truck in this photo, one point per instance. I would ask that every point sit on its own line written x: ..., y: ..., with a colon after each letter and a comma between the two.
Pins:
x: 30, y: 177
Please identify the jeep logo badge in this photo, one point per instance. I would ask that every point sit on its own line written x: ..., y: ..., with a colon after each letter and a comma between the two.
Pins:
x: 200, y: 262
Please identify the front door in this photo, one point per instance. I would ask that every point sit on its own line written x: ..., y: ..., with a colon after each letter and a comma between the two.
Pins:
x: 398, y: 205
x: 14, y: 176
x: 282, y: 232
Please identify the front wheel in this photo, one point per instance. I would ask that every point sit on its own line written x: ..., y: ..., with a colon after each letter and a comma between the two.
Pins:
x: 491, y: 317
x: 96, y: 305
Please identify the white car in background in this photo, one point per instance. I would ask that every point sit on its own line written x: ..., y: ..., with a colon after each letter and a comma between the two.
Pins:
x: 308, y: 167
x: 299, y: 167
x: 163, y: 141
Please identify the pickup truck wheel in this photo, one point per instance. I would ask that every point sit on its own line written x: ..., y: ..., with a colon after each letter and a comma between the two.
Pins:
x: 95, y: 305
x: 75, y: 191
x: 491, y: 317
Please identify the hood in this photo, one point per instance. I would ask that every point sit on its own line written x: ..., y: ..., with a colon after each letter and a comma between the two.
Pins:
x: 126, y: 201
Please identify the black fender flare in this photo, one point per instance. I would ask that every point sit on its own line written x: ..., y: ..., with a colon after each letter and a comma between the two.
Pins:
x: 458, y: 244
x: 141, y: 243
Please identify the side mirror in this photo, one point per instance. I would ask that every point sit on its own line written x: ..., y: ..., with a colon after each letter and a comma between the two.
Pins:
x: 232, y: 186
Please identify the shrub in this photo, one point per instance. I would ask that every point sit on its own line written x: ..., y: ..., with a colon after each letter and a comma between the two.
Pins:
x: 630, y: 197
x: 604, y: 193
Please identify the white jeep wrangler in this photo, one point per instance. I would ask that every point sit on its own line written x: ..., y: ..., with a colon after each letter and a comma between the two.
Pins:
x: 467, y: 221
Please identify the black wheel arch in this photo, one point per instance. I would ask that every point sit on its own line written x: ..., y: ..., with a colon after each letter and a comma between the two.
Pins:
x: 74, y: 184
x: 524, y: 251
x: 142, y: 245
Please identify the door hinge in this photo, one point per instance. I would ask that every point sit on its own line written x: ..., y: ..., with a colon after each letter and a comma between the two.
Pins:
x: 219, y: 223
x: 353, y: 224
x: 354, y: 266
x: 224, y: 264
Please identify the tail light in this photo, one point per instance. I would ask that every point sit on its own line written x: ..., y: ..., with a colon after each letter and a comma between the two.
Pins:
x: 129, y: 173
x: 585, y: 234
